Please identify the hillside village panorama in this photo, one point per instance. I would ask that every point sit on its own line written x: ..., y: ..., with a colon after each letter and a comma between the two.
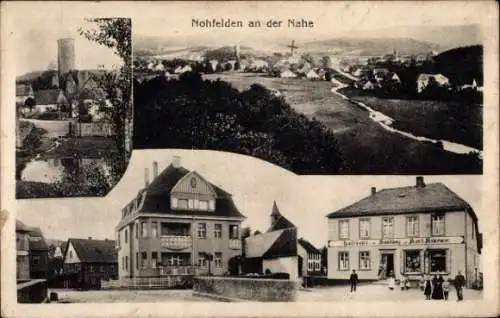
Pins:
x: 362, y: 97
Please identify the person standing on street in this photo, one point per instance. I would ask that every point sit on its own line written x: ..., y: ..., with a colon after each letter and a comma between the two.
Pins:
x: 446, y: 288
x: 427, y: 288
x: 353, y: 279
x: 459, y: 285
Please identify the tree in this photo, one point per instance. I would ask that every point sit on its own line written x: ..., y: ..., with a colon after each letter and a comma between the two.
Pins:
x: 115, y: 33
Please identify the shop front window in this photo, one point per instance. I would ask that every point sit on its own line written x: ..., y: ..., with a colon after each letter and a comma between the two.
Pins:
x: 412, y: 261
x: 437, y: 261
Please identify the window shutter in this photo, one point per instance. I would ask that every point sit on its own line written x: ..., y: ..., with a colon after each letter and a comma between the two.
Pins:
x: 448, y: 261
x: 402, y: 258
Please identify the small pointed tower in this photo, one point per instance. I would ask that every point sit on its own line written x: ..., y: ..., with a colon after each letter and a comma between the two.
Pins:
x: 275, y: 214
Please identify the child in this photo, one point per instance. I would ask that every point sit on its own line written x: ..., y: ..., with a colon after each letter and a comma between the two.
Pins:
x: 446, y: 288
x: 407, y: 284
x: 402, y: 282
x: 392, y: 281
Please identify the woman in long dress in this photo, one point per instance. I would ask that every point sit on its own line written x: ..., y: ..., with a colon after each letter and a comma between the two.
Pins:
x: 437, y: 291
x: 427, y: 288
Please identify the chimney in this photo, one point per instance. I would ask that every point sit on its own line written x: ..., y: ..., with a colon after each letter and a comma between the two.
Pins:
x: 146, y: 177
x: 420, y: 182
x: 155, y: 169
x: 176, y: 161
x: 90, y: 238
x: 374, y: 190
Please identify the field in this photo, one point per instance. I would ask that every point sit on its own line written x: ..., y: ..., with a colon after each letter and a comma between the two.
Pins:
x: 452, y: 121
x: 366, y: 147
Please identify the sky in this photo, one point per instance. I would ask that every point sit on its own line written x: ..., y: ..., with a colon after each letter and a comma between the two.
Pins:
x: 254, y: 184
x: 36, y: 45
x: 330, y: 19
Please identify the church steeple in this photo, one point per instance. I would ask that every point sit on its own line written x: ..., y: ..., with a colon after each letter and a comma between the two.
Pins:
x: 275, y: 214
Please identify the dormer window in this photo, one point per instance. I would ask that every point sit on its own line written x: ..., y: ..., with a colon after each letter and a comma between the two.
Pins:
x: 193, y: 182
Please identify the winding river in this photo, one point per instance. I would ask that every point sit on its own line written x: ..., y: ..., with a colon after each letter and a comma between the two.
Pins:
x: 386, y: 122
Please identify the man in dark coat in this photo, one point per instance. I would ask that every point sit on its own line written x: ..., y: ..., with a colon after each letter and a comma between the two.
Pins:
x: 459, y: 283
x: 353, y: 279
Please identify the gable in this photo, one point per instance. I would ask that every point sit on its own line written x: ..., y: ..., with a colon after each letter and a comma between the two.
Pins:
x: 71, y: 256
x: 193, y: 183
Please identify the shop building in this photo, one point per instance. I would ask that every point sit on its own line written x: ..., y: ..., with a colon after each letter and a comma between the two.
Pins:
x: 179, y: 224
x: 421, y: 229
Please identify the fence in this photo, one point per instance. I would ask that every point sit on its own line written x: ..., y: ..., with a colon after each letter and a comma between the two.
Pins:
x: 163, y: 282
x: 32, y: 291
x: 91, y: 129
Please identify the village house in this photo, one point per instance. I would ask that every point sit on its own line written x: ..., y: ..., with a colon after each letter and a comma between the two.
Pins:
x: 414, y: 230
x: 312, y: 75
x: 24, y: 92
x: 313, y: 257
x: 22, y: 251
x: 38, y: 254
x: 286, y: 73
x: 180, y: 223
x: 49, y: 100
x: 423, y: 80
x: 183, y: 69
x: 88, y: 261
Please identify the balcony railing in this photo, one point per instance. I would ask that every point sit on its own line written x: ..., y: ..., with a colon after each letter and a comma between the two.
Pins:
x: 175, y: 242
x: 177, y: 270
x: 235, y: 244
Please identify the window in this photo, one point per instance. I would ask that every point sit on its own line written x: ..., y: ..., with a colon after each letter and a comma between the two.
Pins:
x: 174, y: 260
x: 437, y: 260
x: 70, y: 254
x: 137, y: 260
x: 91, y: 268
x: 202, y: 261
x: 234, y: 232
x: 412, y: 261
x: 196, y: 204
x: 174, y: 203
x: 36, y: 259
x: 182, y: 204
x: 123, y: 262
x: 101, y: 268
x: 218, y: 260
x: 203, y: 205
x: 218, y: 231
x: 202, y: 230
x: 144, y: 258
x: 412, y: 226
x: 136, y: 230
x: 437, y: 223
x: 126, y: 236
x: 126, y: 263
x: 344, y: 229
x: 154, y: 259
x: 144, y: 229
x: 364, y: 228
x: 387, y: 227
x: 343, y: 261
x: 211, y: 205
x: 190, y: 204
x: 364, y: 260
x: 119, y: 239
x: 154, y: 229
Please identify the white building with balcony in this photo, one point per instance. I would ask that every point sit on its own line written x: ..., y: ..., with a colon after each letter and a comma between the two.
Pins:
x: 179, y: 224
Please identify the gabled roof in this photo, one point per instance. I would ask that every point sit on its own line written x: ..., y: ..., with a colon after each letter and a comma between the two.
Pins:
x: 434, y: 197
x: 157, y: 196
x: 47, y: 96
x: 21, y: 227
x: 285, y: 245
x: 95, y: 251
x: 37, y: 240
x: 23, y: 89
x: 308, y: 246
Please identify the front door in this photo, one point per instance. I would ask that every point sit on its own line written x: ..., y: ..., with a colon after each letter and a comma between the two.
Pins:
x: 386, y: 265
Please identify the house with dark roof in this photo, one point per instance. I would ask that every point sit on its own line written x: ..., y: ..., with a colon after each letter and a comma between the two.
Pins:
x: 87, y: 262
x: 425, y: 229
x: 278, y: 250
x: 180, y: 223
x: 38, y: 254
x: 24, y: 92
x: 313, y: 257
x: 49, y: 99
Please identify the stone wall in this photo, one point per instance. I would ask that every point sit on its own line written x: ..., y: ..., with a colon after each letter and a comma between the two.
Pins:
x: 241, y: 288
